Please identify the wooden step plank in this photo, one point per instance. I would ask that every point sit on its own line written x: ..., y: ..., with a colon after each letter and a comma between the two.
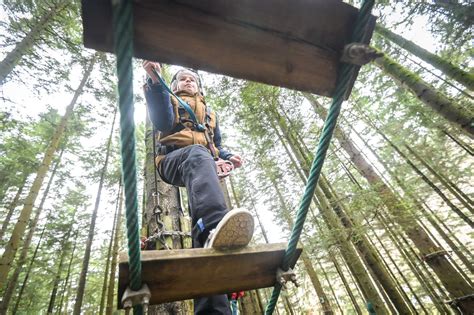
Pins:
x: 296, y: 46
x: 182, y: 274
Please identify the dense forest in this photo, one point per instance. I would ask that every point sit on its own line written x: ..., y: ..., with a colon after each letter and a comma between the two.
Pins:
x: 390, y: 227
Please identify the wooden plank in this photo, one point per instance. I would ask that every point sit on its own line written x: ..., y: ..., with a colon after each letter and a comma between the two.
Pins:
x: 296, y: 46
x: 190, y: 273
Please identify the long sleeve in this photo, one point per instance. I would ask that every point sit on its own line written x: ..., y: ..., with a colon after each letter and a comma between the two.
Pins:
x: 159, y: 106
x: 223, y: 154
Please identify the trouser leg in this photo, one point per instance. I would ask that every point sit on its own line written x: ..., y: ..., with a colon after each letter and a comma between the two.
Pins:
x: 194, y: 168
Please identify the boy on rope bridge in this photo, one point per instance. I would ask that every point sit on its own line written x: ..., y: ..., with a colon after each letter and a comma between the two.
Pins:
x: 191, y: 155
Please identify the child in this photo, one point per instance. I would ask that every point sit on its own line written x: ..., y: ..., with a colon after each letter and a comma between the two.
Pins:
x: 187, y: 157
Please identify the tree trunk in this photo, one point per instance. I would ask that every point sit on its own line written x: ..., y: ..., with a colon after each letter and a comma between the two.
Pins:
x: 27, y: 275
x: 162, y: 204
x: 325, y: 304
x: 373, y: 264
x: 57, y: 278
x: 459, y: 116
x: 26, y: 246
x: 85, y: 264
x: 463, y: 77
x: 430, y: 215
x: 397, y: 268
x: 370, y: 293
x: 115, y: 248
x: 438, y: 191
x: 65, y: 290
x: 27, y: 42
x: 367, y: 252
x: 108, y: 262
x: 11, y: 209
x: 412, y: 263
x: 430, y: 253
x: 19, y: 229
x: 450, y: 186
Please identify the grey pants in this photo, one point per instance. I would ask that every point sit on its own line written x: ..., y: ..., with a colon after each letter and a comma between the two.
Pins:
x: 194, y: 168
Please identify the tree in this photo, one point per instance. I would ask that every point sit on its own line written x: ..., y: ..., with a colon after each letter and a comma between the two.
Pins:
x: 463, y: 77
x: 20, y: 226
x: 459, y: 116
x: 85, y: 263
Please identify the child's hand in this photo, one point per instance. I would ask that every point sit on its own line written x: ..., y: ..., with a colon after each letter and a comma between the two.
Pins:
x: 236, y: 160
x: 149, y: 66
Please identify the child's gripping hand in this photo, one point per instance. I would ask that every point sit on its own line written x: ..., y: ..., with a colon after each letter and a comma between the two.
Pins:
x: 149, y: 66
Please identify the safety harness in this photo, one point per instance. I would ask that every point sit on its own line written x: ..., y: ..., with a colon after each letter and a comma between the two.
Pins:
x: 223, y: 167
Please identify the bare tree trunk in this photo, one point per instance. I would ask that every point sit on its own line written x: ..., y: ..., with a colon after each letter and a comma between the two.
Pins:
x: 397, y: 268
x: 113, y: 264
x: 11, y: 209
x: 453, y: 207
x: 450, y: 186
x: 463, y: 77
x: 65, y: 291
x: 12, y: 283
x: 459, y: 116
x: 362, y: 243
x: 433, y: 255
x: 85, y: 264
x: 108, y: 262
x: 20, y: 226
x: 27, y: 275
x: 437, y: 300
x: 57, y: 278
x: 430, y: 215
x: 27, y: 42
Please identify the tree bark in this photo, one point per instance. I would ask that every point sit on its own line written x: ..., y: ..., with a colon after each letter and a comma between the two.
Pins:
x: 463, y: 77
x: 460, y: 117
x: 85, y: 264
x: 19, y: 229
x: 113, y: 264
x: 27, y: 42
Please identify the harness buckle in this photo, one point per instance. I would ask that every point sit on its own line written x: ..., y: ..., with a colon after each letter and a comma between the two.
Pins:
x: 224, y: 168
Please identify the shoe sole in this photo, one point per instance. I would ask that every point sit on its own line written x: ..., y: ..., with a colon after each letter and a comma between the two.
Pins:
x: 234, y: 231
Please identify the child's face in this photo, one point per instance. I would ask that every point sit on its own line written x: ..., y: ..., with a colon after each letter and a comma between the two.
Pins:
x: 187, y: 83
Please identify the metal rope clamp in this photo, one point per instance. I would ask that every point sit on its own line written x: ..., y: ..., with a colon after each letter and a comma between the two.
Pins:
x: 131, y: 298
x: 283, y: 277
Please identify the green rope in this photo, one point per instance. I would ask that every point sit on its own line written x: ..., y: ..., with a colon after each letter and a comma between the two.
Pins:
x: 123, y: 40
x: 342, y: 85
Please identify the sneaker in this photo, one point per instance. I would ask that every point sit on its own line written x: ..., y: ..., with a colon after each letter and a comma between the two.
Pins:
x: 235, y: 230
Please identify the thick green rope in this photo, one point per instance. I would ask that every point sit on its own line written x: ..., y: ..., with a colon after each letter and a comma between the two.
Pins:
x: 342, y: 85
x: 123, y: 40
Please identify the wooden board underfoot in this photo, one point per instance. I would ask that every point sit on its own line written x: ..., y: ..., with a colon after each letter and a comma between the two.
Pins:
x: 176, y: 275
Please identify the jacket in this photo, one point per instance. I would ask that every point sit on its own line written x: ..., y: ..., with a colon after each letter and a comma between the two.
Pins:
x: 165, y: 114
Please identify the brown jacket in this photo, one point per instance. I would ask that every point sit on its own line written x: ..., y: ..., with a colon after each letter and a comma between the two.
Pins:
x: 188, y: 135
